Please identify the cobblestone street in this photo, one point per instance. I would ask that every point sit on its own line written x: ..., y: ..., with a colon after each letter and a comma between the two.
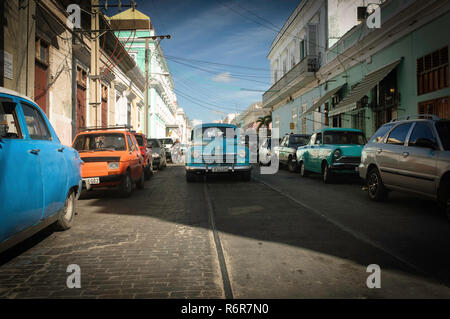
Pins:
x: 159, y: 243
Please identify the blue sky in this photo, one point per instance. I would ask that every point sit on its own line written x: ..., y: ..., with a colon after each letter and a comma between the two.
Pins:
x: 219, y: 31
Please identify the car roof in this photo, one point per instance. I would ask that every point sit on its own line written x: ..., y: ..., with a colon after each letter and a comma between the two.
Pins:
x: 103, y: 132
x: 4, y: 90
x: 215, y: 125
x: 341, y: 129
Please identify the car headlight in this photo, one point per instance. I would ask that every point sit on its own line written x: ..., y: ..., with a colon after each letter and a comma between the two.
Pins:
x: 241, y: 153
x: 196, y: 154
x: 337, y: 154
x: 113, y: 165
x: 155, y: 155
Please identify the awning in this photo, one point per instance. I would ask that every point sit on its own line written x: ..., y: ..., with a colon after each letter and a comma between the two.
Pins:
x: 361, y: 89
x: 322, y: 100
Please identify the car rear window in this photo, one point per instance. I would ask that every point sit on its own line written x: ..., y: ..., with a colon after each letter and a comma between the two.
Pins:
x: 299, y: 140
x: 443, y: 128
x: 100, y: 142
x: 378, y: 136
x: 140, y: 140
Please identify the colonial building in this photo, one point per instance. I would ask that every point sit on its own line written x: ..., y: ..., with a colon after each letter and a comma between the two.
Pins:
x: 43, y: 58
x: 248, y: 118
x: 162, y: 98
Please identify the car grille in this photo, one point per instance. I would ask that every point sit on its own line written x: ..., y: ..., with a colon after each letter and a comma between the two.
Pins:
x: 349, y: 160
x: 100, y: 159
x: 210, y: 159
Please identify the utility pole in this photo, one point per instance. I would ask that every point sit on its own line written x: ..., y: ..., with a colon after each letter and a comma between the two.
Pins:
x: 95, y: 59
x: 147, y: 60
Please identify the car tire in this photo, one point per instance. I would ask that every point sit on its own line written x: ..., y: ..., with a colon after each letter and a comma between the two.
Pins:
x: 327, y: 174
x: 67, y: 216
x: 148, y: 172
x: 292, y: 165
x: 375, y: 187
x: 246, y: 176
x: 126, y: 187
x: 191, y: 177
x: 303, y: 171
x: 140, y: 184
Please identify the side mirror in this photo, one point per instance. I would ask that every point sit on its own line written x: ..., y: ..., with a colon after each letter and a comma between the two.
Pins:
x: 426, y: 143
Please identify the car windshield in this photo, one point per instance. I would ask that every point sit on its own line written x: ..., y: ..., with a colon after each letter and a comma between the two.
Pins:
x: 210, y: 132
x: 443, y: 128
x: 299, y: 140
x: 344, y: 138
x: 154, y: 143
x: 140, y: 140
x: 100, y: 142
x: 167, y: 141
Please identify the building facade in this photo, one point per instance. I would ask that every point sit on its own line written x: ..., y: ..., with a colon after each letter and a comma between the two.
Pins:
x: 49, y: 62
x: 162, y: 98
x: 364, y: 76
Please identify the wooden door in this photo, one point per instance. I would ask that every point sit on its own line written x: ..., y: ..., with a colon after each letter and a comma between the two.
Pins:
x: 40, y: 85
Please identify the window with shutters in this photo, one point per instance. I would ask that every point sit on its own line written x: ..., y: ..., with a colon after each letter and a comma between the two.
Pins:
x: 432, y: 72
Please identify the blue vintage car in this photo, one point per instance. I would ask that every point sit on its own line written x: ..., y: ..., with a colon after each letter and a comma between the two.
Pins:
x: 39, y: 177
x: 331, y: 151
x: 217, y: 149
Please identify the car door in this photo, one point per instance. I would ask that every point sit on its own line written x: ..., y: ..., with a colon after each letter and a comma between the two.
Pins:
x: 388, y: 154
x: 133, y: 158
x: 418, y: 161
x: 307, y: 153
x: 21, y: 186
x: 51, y: 159
x: 314, y: 154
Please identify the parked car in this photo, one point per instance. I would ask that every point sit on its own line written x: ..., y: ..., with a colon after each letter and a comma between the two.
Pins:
x: 331, y: 151
x: 409, y: 155
x: 146, y: 151
x: 159, y: 153
x: 287, y: 150
x: 167, y: 143
x: 111, y: 159
x: 213, y: 152
x: 39, y: 177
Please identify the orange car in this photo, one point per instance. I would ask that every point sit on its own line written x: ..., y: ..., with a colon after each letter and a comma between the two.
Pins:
x: 111, y: 159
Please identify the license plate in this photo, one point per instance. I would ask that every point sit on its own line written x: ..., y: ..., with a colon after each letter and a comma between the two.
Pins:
x: 219, y: 169
x: 92, y: 180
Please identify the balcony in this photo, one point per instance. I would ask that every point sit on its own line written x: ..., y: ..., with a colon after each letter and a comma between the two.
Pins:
x: 297, y: 77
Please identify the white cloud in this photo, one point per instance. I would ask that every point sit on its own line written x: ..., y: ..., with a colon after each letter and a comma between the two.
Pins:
x: 223, y: 77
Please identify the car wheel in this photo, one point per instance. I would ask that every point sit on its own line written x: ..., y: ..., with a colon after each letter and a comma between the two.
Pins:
x: 148, y: 172
x: 327, y: 174
x: 126, y: 187
x: 246, y: 176
x: 141, y: 182
x: 292, y: 165
x: 191, y: 177
x: 303, y: 171
x: 65, y: 220
x: 376, y: 189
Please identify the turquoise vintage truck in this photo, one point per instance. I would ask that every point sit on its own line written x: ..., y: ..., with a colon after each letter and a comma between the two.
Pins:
x: 331, y: 151
x: 216, y: 149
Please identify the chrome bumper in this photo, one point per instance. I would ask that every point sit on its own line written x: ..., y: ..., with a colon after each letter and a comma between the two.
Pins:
x: 208, y: 169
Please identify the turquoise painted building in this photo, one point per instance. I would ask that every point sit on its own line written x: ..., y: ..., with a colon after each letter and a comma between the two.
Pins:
x: 371, y: 76
x: 162, y: 99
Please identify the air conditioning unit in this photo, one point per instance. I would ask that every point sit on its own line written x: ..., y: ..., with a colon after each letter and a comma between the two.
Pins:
x: 361, y: 13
